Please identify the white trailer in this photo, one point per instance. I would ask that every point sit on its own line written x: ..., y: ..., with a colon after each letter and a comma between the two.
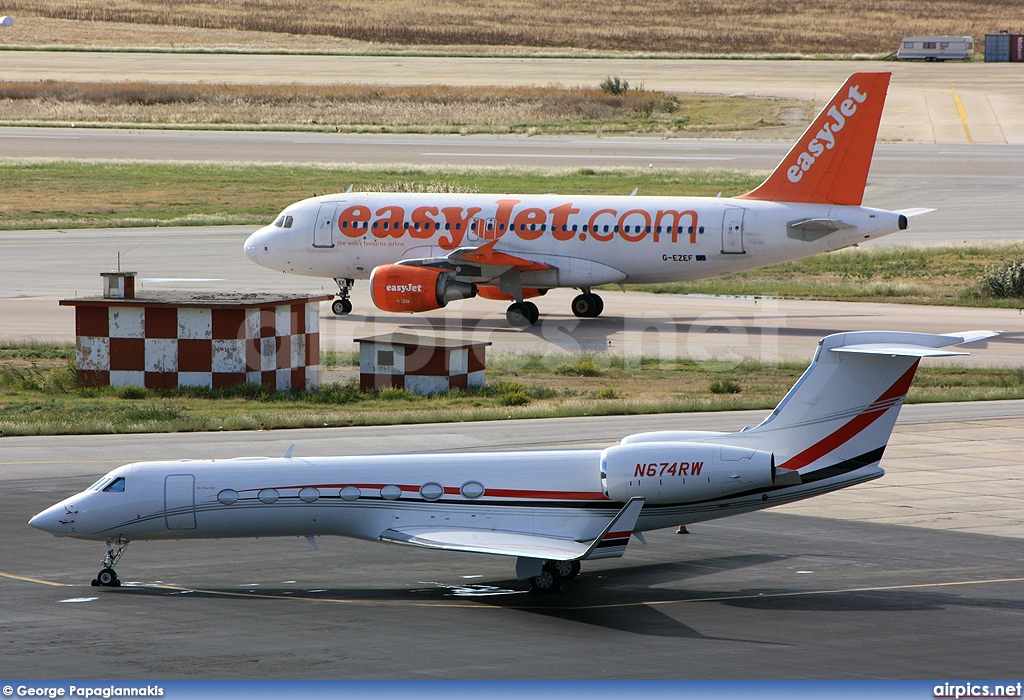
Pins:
x: 936, y: 48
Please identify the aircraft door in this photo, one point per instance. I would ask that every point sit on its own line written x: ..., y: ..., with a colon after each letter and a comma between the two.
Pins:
x: 732, y: 231
x: 180, y: 502
x: 483, y: 230
x: 323, y: 229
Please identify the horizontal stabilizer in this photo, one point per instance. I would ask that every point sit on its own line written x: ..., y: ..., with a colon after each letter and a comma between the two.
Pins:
x: 918, y: 211
x: 897, y: 349
x: 910, y: 344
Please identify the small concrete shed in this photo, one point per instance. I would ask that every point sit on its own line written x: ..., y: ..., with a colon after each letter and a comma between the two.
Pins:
x: 165, y: 340
x: 422, y: 365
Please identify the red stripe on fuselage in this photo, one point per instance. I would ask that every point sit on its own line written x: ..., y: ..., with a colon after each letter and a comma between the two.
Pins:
x: 855, y: 426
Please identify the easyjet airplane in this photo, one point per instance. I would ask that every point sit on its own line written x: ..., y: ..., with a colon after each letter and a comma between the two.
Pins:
x: 549, y: 509
x: 422, y: 251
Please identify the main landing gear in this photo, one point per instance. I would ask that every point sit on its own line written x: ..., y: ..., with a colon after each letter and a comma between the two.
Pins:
x: 522, y: 314
x: 107, y: 576
x: 588, y: 304
x: 552, y: 574
x: 342, y: 306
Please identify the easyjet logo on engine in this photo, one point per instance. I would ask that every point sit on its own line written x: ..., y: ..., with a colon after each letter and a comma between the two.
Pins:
x: 452, y: 224
x: 404, y: 288
x: 670, y: 468
x: 826, y: 136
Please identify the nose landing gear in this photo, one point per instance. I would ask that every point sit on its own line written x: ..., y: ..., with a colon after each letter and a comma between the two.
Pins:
x: 342, y: 306
x: 107, y: 576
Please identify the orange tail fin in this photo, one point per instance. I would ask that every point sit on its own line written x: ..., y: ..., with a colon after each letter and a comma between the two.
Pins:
x: 829, y: 163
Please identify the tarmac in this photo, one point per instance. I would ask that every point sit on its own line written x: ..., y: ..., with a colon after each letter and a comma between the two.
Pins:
x: 916, y: 575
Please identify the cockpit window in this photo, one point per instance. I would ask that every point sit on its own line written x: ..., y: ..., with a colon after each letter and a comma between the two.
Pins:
x: 117, y: 485
x: 103, y: 481
x: 280, y: 222
x: 284, y: 221
x: 287, y: 222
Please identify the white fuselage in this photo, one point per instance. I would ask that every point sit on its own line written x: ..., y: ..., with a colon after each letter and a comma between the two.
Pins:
x: 557, y: 493
x: 583, y: 240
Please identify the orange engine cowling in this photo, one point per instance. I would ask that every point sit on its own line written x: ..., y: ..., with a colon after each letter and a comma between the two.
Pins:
x: 410, y: 288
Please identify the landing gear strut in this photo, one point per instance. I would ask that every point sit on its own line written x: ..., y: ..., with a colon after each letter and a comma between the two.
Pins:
x: 342, y: 306
x: 107, y: 576
x: 522, y: 314
x: 588, y: 304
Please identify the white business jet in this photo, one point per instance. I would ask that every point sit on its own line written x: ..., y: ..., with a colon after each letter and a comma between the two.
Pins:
x: 549, y: 509
x: 422, y: 251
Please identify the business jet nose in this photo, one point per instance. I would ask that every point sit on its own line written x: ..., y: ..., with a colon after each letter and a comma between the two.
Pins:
x: 57, y: 519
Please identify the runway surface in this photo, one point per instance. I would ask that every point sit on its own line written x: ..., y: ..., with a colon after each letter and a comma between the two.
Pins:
x: 768, y: 595
x: 921, y: 106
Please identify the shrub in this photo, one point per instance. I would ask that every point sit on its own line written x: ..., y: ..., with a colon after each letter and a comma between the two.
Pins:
x: 393, y: 393
x: 131, y: 392
x: 584, y: 367
x: 614, y: 86
x: 724, y: 386
x: 607, y: 392
x: 515, y: 398
x: 1004, y: 282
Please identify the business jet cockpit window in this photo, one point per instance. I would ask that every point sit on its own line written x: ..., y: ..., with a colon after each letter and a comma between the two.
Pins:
x: 116, y: 486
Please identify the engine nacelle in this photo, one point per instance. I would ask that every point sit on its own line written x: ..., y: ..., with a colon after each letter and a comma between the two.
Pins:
x: 682, y: 472
x: 411, y: 288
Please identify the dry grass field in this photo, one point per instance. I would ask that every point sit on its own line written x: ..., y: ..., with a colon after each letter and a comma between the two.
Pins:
x: 702, y: 27
x: 349, y: 107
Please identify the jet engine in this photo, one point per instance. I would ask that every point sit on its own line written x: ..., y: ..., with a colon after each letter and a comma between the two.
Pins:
x: 410, y: 288
x: 682, y: 472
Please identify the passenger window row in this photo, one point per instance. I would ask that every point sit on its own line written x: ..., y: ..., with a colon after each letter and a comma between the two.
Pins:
x: 430, y: 491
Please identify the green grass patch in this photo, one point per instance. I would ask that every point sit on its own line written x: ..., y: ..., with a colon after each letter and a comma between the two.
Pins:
x: 41, y: 194
x: 950, y: 275
x: 42, y: 396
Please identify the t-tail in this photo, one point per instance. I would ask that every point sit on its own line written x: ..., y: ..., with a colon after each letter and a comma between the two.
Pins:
x: 829, y: 164
x: 838, y: 417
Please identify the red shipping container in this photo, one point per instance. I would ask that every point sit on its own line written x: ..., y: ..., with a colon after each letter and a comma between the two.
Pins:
x: 1017, y: 48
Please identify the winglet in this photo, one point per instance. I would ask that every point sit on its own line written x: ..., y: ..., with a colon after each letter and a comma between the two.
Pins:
x: 612, y: 542
x: 829, y: 164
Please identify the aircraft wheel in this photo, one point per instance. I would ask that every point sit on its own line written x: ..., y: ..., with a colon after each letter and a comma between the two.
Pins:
x: 549, y: 580
x: 587, y: 305
x: 532, y: 311
x: 568, y: 570
x: 341, y: 307
x: 519, y: 315
x: 108, y: 577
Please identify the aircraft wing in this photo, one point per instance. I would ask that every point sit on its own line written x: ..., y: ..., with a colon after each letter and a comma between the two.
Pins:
x: 513, y: 544
x: 610, y: 543
x: 486, y: 255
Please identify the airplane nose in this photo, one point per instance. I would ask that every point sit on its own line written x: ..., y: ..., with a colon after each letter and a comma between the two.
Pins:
x: 58, y: 519
x: 252, y: 244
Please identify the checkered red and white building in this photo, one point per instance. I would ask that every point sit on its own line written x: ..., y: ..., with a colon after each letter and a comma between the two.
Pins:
x: 170, y: 340
x: 422, y: 365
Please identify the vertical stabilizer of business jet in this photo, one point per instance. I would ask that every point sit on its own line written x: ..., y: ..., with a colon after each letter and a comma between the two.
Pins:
x: 829, y: 164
